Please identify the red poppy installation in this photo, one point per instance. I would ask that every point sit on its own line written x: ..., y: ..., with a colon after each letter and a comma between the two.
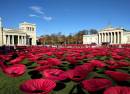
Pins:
x: 38, y: 86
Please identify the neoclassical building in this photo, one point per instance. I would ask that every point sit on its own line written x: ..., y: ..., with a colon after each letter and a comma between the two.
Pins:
x: 24, y: 35
x: 110, y: 35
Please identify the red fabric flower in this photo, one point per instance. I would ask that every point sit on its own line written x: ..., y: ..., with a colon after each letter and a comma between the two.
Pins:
x: 54, y: 74
x: 85, y: 68
x: 117, y: 90
x: 14, y: 70
x: 43, y: 62
x: 42, y: 68
x: 49, y: 53
x: 98, y: 63
x: 123, y: 64
x: 96, y: 84
x: 80, y: 72
x: 54, y: 61
x: 38, y: 86
x: 71, y: 59
x: 5, y: 57
x: 117, y: 57
x: 118, y: 76
x: 17, y: 60
x: 32, y: 57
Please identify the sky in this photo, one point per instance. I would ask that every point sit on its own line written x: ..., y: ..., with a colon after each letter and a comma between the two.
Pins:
x: 65, y: 16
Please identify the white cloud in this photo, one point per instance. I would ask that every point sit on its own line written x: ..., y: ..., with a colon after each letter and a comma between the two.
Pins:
x: 47, y: 18
x: 33, y: 15
x: 39, y: 13
x: 37, y: 9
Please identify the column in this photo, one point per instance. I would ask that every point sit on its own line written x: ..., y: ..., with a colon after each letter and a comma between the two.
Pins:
x: 114, y: 37
x: 22, y: 40
x: 25, y: 40
x: 111, y: 38
x: 107, y: 37
x: 12, y: 39
x: 8, y: 39
x: 104, y: 37
x: 121, y: 37
x: 118, y: 38
x: 99, y: 38
x: 18, y: 39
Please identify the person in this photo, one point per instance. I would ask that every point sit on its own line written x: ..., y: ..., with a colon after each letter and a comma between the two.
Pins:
x: 4, y: 49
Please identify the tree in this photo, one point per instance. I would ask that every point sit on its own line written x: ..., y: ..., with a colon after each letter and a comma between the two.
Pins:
x: 93, y: 31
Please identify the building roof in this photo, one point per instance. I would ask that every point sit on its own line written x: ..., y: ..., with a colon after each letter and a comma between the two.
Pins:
x: 20, y: 31
x: 26, y: 23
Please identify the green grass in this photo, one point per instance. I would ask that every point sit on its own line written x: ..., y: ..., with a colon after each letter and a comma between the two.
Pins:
x: 9, y: 85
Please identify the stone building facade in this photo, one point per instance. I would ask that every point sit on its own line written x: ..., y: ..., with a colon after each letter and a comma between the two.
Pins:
x: 110, y: 35
x: 24, y: 35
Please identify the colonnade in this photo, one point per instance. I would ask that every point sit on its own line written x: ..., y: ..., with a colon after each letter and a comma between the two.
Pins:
x: 111, y: 37
x: 15, y: 39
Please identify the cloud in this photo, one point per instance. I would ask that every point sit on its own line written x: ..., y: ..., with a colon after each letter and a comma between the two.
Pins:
x: 33, y: 15
x: 47, y: 18
x: 37, y: 9
x: 39, y: 13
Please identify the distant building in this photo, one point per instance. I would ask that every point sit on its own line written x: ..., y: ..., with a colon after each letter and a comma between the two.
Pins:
x: 110, y: 35
x: 24, y: 35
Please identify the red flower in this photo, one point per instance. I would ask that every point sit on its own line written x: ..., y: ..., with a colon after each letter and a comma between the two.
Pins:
x: 123, y: 64
x: 80, y: 72
x: 38, y: 86
x: 96, y: 84
x: 89, y: 56
x: 43, y: 62
x: 85, y: 68
x: 49, y: 53
x: 117, y: 57
x: 17, y: 60
x: 5, y: 57
x: 118, y: 76
x: 54, y: 61
x: 14, y: 70
x: 42, y: 68
x: 117, y: 90
x: 54, y: 74
x: 59, y: 54
x: 98, y: 63
x: 32, y: 57
x: 71, y: 59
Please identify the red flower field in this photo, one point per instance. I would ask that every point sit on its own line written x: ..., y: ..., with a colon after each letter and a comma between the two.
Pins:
x: 42, y: 70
